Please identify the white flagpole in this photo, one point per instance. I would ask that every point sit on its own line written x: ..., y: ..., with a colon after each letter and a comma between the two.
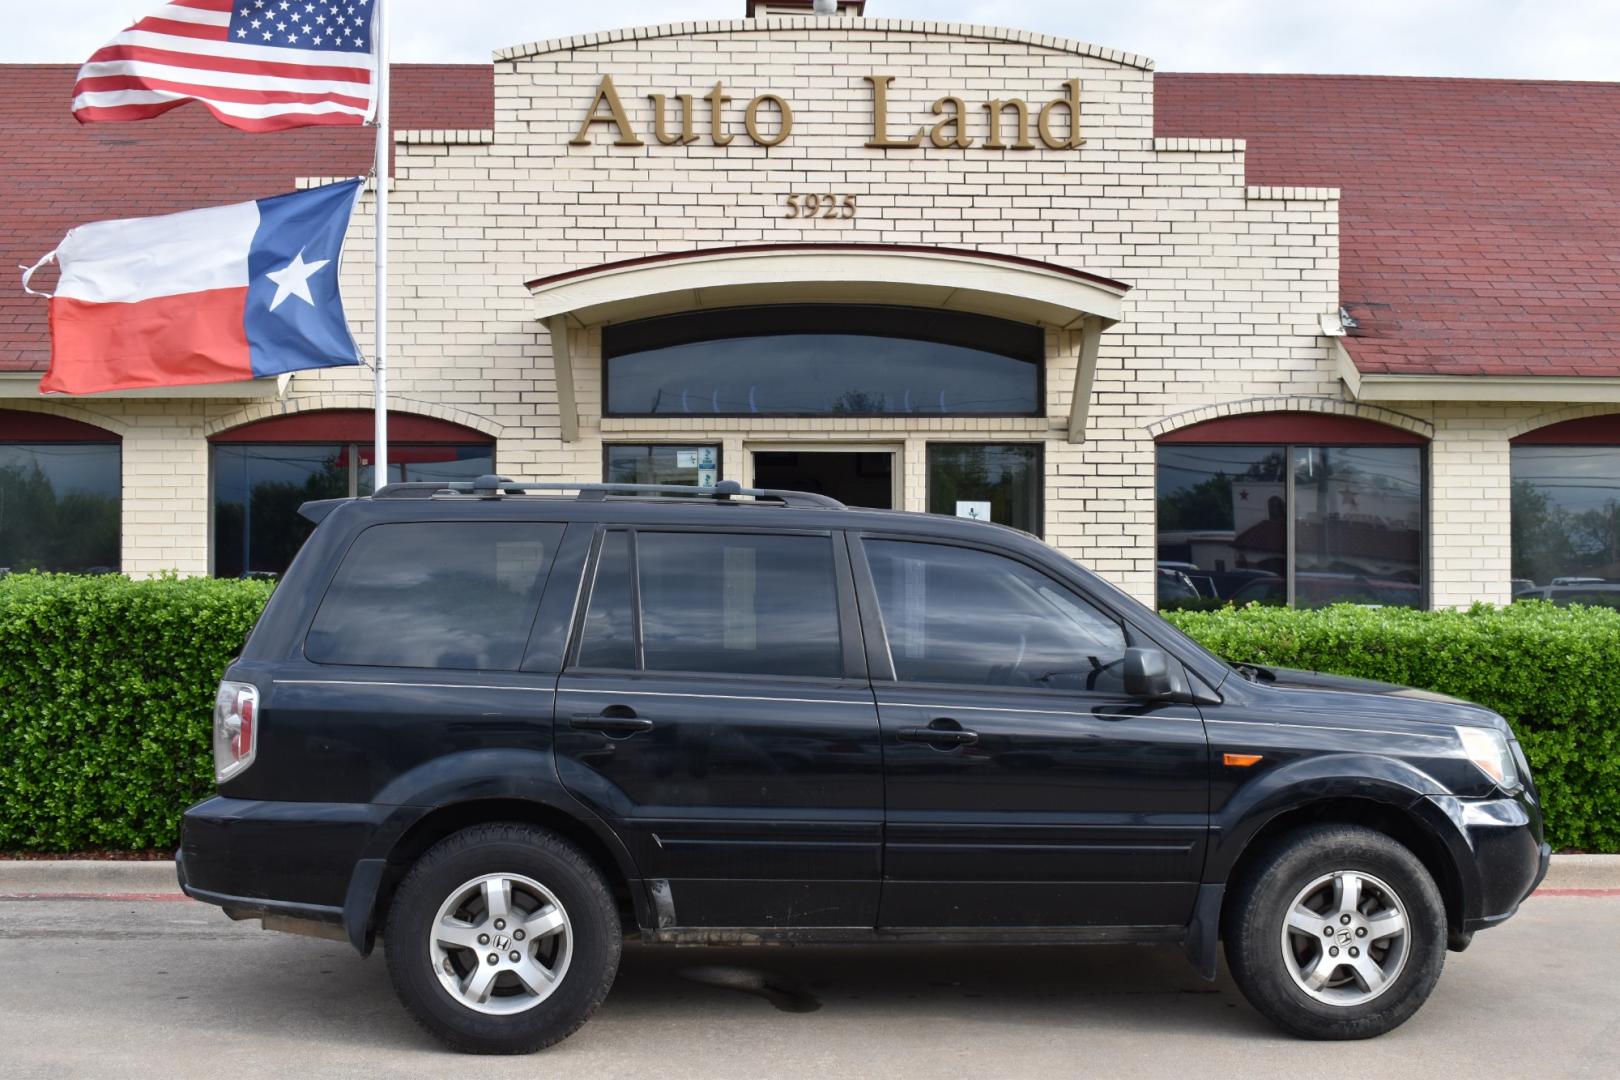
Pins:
x: 384, y: 170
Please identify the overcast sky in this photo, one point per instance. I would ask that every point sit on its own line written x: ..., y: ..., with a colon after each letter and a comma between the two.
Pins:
x: 1548, y: 39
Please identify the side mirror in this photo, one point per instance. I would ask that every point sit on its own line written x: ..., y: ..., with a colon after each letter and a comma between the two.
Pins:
x: 1147, y: 674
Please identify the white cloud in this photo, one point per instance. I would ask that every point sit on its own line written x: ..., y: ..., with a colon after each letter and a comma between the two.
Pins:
x: 1549, y: 39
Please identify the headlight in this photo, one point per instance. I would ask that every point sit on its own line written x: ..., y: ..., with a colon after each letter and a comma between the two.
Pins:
x: 1488, y: 750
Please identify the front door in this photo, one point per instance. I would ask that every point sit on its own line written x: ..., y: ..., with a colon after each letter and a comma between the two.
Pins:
x: 1024, y: 787
x: 716, y: 712
x: 853, y: 477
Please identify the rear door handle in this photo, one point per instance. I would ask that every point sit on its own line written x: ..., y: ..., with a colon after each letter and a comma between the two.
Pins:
x: 939, y: 736
x: 615, y: 720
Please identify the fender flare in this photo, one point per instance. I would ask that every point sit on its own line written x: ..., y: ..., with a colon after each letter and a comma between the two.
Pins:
x: 1371, y: 778
x: 467, y: 777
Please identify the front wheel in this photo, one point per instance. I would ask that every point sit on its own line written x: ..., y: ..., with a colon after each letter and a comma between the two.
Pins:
x: 1336, y: 932
x: 502, y: 939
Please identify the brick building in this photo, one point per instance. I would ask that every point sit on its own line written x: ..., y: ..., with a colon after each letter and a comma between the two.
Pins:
x: 1264, y: 337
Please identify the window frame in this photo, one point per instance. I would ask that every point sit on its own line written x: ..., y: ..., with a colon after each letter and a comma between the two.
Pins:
x: 1552, y: 437
x: 849, y: 617
x: 117, y: 445
x: 880, y: 657
x: 609, y: 354
x: 1290, y: 541
x: 1040, y: 472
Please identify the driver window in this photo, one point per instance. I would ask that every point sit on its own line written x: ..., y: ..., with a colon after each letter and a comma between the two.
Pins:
x: 957, y: 615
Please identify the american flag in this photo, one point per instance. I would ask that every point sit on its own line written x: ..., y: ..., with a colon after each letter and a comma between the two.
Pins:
x: 258, y: 65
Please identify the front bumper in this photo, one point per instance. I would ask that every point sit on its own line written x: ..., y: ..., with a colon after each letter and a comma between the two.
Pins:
x: 1500, y: 854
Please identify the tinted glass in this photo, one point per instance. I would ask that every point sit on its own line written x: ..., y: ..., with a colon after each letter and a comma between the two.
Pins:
x: 1223, y: 523
x: 258, y: 489
x: 823, y: 360
x: 956, y: 615
x: 452, y: 595
x: 608, y: 639
x: 59, y: 507
x: 698, y: 465
x: 975, y: 479
x: 1566, y: 516
x: 1358, y: 525
x: 749, y: 605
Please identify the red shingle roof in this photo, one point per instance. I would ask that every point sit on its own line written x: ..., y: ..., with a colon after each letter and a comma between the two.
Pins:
x: 1480, y: 223
x: 1479, y: 234
x: 55, y: 174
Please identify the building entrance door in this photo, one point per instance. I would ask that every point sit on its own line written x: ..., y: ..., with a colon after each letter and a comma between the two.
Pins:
x: 855, y: 477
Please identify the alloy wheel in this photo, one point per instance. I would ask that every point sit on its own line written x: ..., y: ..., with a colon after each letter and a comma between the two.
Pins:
x: 501, y: 943
x: 1345, y: 938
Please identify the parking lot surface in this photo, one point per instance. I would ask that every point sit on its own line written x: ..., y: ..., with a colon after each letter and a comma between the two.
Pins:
x: 163, y: 988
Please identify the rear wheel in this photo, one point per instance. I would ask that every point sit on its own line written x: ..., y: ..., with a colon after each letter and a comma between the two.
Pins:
x: 1336, y: 932
x: 502, y: 939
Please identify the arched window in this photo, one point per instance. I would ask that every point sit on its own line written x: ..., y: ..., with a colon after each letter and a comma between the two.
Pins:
x: 1298, y: 508
x: 1566, y: 512
x: 264, y: 471
x: 60, y: 482
x: 823, y: 360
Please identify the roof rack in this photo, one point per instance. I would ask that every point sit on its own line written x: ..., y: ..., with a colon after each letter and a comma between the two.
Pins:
x: 496, y: 487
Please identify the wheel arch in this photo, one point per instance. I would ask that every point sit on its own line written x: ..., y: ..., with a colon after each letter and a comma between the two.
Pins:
x: 593, y: 838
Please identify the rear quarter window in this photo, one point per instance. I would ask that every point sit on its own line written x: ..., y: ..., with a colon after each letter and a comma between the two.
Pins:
x: 450, y: 595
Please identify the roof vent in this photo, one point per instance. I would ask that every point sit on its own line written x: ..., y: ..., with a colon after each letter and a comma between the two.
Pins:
x: 764, y: 9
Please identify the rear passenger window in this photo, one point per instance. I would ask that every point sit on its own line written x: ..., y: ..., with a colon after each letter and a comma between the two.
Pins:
x: 717, y: 602
x: 452, y: 595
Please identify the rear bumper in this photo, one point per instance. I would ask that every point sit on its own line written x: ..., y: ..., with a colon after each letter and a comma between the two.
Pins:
x: 304, y: 861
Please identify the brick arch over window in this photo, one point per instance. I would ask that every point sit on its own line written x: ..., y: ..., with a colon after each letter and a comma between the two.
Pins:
x: 39, y: 422
x: 1314, y: 420
x: 350, y: 426
x: 1576, y: 426
x: 402, y: 409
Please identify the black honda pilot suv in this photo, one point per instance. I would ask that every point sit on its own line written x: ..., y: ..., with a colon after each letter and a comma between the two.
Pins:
x: 502, y: 727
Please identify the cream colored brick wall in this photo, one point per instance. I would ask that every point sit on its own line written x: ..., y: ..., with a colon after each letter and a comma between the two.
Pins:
x: 1229, y: 281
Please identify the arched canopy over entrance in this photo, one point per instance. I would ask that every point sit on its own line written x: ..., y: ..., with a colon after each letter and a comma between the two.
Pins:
x: 943, y: 279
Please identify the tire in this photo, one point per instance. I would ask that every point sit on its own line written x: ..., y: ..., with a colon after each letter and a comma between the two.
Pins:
x: 567, y: 958
x: 1276, y: 964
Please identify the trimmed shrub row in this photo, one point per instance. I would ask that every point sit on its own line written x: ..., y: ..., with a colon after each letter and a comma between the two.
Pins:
x: 106, y: 700
x: 107, y: 685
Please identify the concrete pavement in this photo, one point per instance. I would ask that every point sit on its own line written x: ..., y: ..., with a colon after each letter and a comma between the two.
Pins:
x: 129, y: 987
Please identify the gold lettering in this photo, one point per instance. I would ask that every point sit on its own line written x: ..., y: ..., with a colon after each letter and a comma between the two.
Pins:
x: 608, y: 95
x: 955, y: 122
x: 661, y: 125
x: 751, y: 120
x: 717, y: 99
x: 880, y: 118
x: 997, y: 110
x: 1072, y: 104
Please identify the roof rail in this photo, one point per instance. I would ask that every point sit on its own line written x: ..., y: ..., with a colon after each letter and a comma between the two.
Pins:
x: 496, y: 487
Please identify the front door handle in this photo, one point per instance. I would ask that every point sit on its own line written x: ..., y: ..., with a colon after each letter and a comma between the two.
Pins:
x: 942, y: 732
x: 619, y: 720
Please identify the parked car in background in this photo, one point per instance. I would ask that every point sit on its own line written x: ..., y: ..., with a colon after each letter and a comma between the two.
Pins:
x: 1319, y: 590
x: 1596, y: 594
x: 501, y: 728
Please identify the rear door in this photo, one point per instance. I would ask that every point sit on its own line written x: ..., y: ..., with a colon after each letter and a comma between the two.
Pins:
x: 716, y: 711
x: 1024, y: 787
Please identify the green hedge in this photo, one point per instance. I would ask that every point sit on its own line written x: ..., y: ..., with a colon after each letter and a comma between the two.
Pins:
x: 1553, y: 672
x: 106, y: 688
x: 106, y: 696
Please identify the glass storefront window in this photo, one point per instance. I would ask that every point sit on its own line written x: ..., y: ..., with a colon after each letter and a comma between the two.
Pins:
x: 999, y: 482
x: 1247, y: 524
x: 823, y: 360
x: 696, y: 464
x: 1566, y: 519
x: 59, y: 507
x: 258, y: 488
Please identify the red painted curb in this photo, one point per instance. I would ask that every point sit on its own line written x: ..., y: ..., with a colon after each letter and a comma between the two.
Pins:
x: 128, y: 896
x: 1576, y: 892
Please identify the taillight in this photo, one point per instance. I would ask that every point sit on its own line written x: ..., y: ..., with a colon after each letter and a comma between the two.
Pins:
x: 236, y: 715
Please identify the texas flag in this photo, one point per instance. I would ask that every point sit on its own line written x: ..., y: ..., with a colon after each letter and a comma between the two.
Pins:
x: 206, y: 296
